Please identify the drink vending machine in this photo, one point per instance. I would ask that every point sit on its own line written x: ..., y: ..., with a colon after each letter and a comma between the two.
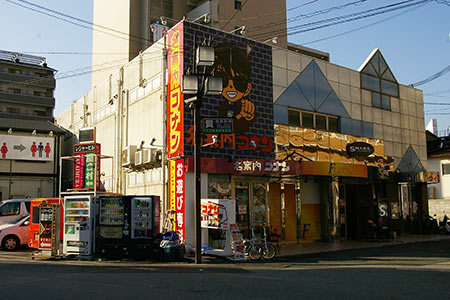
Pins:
x: 79, y: 222
x: 127, y: 226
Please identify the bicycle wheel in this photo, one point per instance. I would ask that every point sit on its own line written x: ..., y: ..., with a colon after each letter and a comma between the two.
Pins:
x: 254, y: 252
x: 268, y: 252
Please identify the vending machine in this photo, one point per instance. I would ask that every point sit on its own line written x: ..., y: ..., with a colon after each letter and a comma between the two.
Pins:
x: 79, y: 223
x: 127, y: 226
x: 142, y: 218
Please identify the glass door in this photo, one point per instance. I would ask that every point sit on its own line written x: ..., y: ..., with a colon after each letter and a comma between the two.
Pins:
x: 259, y: 191
x: 242, y: 196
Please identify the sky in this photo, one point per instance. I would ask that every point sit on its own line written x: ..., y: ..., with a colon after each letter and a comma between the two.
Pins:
x: 414, y: 41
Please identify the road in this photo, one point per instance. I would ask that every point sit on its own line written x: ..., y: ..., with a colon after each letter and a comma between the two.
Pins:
x: 411, y: 271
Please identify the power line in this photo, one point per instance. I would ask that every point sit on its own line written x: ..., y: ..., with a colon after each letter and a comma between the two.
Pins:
x: 237, y: 11
x: 362, y: 27
x: 346, y: 18
x: 432, y: 77
x: 310, y: 15
x: 44, y: 9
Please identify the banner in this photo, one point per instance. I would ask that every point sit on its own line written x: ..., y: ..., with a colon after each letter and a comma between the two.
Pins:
x: 175, y: 131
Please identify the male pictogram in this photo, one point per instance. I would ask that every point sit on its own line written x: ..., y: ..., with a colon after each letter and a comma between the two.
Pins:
x: 47, y: 150
x: 40, y: 149
x: 33, y: 149
x: 4, y: 150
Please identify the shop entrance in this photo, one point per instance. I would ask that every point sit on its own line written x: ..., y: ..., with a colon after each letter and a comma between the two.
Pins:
x: 358, y: 210
x: 410, y: 199
x: 251, y: 203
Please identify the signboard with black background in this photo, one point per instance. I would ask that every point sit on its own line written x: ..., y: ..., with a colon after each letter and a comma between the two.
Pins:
x: 247, y: 98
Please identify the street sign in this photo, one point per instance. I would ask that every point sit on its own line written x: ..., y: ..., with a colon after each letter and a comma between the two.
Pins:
x: 217, y: 125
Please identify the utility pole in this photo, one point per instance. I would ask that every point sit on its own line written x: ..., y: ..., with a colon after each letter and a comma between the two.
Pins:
x: 209, y: 86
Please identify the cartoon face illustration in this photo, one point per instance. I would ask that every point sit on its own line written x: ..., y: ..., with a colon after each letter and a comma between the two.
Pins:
x: 233, y: 65
x: 235, y: 85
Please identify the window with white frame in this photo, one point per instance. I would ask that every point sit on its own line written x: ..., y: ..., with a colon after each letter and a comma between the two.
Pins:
x: 377, y: 77
x: 307, y: 119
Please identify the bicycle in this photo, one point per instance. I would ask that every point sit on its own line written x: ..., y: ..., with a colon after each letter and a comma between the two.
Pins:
x: 260, y: 247
x: 268, y: 250
x: 252, y: 246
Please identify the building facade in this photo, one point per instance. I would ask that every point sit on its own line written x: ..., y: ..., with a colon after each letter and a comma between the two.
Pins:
x: 316, y: 151
x: 124, y: 28
x: 438, y: 150
x: 29, y: 140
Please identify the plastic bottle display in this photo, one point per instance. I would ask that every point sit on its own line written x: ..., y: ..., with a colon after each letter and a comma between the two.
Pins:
x: 111, y: 211
x: 142, y: 218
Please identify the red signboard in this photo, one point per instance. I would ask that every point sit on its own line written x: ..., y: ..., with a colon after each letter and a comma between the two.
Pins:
x: 78, y: 172
x: 83, y: 174
x: 175, y: 132
x: 174, y: 96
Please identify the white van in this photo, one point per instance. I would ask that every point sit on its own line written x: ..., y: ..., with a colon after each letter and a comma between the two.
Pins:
x: 13, y: 209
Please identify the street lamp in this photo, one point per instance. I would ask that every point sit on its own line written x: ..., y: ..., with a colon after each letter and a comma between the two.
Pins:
x: 209, y: 85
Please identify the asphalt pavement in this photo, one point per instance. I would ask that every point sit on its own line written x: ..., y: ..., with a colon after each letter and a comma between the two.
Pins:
x: 401, y: 271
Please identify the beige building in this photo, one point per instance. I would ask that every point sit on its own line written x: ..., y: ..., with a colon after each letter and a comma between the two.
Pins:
x: 124, y: 28
x: 365, y: 105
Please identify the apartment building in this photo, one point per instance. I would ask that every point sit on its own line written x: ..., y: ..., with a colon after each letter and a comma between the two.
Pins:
x: 29, y: 140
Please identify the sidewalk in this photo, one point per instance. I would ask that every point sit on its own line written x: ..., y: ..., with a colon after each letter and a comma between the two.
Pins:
x: 303, y: 247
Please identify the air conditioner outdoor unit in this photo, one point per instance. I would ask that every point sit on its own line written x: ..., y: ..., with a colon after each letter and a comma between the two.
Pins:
x: 138, y: 157
x: 147, y: 156
x: 152, y: 157
x: 128, y: 155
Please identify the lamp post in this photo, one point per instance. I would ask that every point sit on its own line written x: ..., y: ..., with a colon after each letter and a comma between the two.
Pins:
x: 209, y: 85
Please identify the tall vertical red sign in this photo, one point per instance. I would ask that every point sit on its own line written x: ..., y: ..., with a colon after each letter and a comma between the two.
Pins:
x: 83, y: 169
x: 175, y: 132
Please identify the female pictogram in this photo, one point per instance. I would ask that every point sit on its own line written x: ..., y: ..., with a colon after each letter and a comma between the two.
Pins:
x: 4, y: 150
x: 33, y: 149
x: 47, y: 150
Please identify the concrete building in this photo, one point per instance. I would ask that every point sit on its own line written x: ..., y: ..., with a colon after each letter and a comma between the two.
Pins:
x: 438, y: 149
x: 317, y: 149
x: 29, y: 140
x: 124, y: 28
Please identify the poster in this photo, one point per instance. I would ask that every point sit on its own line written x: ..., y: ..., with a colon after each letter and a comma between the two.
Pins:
x: 218, y: 213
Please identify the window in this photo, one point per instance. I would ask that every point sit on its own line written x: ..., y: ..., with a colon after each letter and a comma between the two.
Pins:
x: 378, y: 78
x: 333, y: 124
x: 40, y: 94
x: 312, y: 120
x: 10, y: 209
x: 36, y: 211
x: 307, y: 120
x: 321, y: 122
x: 39, y: 113
x: 237, y: 5
x: 14, y: 71
x: 14, y: 90
x: 445, y: 169
x: 13, y: 110
x: 294, y: 118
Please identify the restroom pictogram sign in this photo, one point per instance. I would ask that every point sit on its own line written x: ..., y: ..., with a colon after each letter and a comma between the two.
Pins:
x: 32, y: 148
